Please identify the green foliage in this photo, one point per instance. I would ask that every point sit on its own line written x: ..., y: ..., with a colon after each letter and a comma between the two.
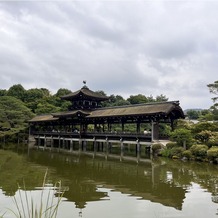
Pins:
x: 137, y: 99
x: 181, y: 136
x: 116, y: 101
x: 172, y: 153
x: 213, y: 140
x: 203, y: 136
x: 17, y: 91
x: 212, y: 153
x: 187, y: 154
x: 199, y: 150
x: 202, y: 126
x: 193, y: 114
x: 61, y: 92
x: 156, y: 147
x: 170, y: 145
x: 213, y: 88
x: 46, y: 108
x: 13, y: 113
x: 3, y: 92
x: 177, y: 151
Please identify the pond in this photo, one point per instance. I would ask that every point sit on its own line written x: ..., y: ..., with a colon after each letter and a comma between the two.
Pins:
x: 96, y: 187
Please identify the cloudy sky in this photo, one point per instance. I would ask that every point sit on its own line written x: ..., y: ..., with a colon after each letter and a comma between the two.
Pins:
x: 123, y: 47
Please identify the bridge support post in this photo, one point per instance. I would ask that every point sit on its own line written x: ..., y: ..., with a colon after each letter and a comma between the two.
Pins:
x: 94, y: 147
x: 138, y: 150
x: 121, y: 149
x: 59, y: 143
x: 106, y: 148
x: 45, y: 141
x: 38, y: 141
x: 52, y: 144
x: 155, y: 131
x: 80, y: 145
x: 71, y: 145
x: 84, y: 145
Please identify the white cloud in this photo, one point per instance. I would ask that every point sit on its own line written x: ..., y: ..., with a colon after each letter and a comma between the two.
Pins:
x: 121, y: 47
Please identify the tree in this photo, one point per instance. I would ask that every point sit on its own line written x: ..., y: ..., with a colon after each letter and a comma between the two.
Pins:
x: 13, y: 113
x: 193, y: 114
x: 137, y: 99
x: 3, y: 92
x: 61, y: 92
x: 182, y: 137
x: 213, y: 88
x: 161, y: 97
x: 17, y: 91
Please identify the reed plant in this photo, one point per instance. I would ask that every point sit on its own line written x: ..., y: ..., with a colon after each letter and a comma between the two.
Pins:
x: 44, y: 207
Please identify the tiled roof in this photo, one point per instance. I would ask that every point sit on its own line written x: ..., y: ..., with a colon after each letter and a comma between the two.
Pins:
x: 142, y: 109
x: 87, y: 92
x: 43, y: 118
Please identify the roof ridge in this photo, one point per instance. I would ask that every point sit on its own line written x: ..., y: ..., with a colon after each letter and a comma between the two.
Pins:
x: 142, y: 104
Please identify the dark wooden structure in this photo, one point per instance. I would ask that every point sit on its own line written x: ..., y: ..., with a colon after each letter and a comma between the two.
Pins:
x: 86, y: 120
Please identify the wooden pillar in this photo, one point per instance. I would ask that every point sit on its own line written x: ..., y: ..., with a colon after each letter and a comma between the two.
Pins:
x: 52, y: 143
x: 80, y: 145
x: 94, y: 147
x: 45, y: 141
x: 59, y: 143
x: 106, y: 148
x: 38, y: 141
x: 84, y: 145
x: 138, y: 150
x: 138, y: 127
x: 155, y: 131
x: 71, y: 145
x: 122, y: 126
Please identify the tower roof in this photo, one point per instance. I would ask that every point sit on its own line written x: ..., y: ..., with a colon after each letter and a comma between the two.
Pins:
x: 85, y: 92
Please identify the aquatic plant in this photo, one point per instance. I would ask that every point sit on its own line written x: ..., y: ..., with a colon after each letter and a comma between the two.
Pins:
x: 46, y: 207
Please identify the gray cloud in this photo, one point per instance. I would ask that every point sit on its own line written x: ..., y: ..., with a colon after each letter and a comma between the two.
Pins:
x: 121, y: 47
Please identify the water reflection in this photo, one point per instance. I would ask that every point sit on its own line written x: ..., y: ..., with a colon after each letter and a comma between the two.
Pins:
x: 86, y: 180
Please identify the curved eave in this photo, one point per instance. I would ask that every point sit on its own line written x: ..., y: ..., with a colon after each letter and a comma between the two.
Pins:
x: 85, y: 92
x: 71, y: 113
x: 43, y: 118
x: 162, y: 109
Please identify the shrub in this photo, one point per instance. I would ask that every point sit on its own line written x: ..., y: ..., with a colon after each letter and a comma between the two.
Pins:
x: 181, y: 136
x: 177, y: 151
x: 170, y: 145
x: 203, y: 136
x: 187, y: 154
x: 213, y: 140
x: 156, y: 147
x: 166, y: 152
x: 199, y: 150
x: 212, y: 153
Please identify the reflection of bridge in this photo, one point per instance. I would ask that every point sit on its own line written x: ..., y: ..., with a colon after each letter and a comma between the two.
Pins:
x: 95, y: 142
x: 83, y: 175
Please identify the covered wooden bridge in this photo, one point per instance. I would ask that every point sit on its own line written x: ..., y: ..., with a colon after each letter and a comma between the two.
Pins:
x: 87, y: 121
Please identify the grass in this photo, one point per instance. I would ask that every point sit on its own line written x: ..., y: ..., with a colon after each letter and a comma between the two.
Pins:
x: 45, y: 207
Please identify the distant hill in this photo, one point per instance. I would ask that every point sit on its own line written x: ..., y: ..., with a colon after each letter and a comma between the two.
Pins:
x: 193, y: 109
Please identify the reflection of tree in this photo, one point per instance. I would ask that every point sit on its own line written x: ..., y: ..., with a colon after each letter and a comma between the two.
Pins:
x: 163, y: 181
x: 15, y: 170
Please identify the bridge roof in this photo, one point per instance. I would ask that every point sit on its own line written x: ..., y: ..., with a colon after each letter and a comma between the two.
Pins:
x: 43, y: 118
x: 163, y: 108
x: 151, y: 109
